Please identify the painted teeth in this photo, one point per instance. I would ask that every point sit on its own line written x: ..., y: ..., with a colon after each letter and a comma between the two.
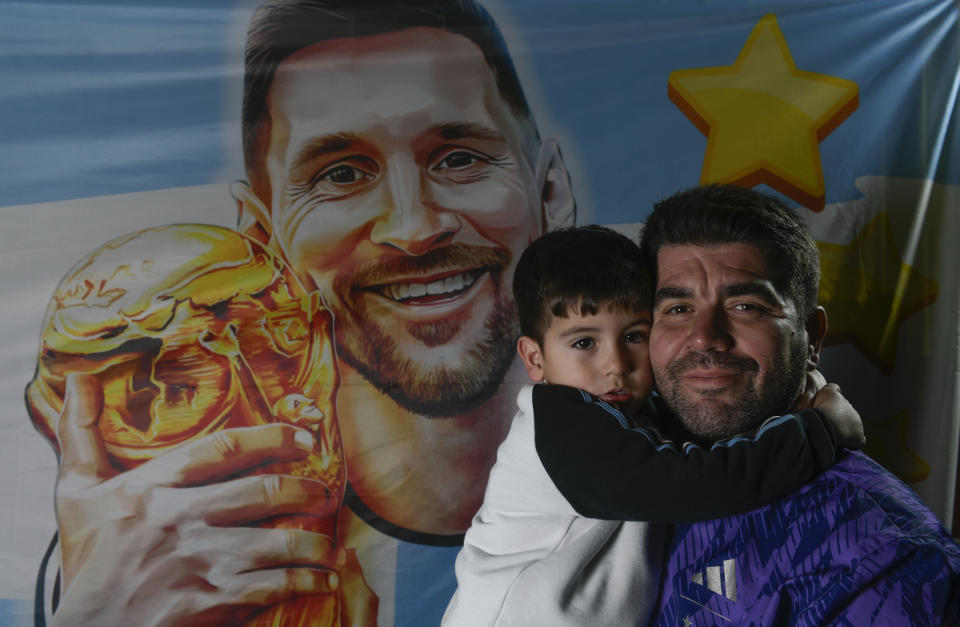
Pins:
x: 448, y: 285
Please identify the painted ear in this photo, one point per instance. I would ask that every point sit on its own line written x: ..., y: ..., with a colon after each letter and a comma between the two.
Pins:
x: 253, y: 217
x: 532, y: 357
x: 558, y: 206
x: 816, y: 327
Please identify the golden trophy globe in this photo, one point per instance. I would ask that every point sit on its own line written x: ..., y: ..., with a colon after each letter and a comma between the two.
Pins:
x: 189, y: 329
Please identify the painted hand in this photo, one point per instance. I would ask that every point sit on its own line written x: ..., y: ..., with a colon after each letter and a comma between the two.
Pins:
x: 171, y: 541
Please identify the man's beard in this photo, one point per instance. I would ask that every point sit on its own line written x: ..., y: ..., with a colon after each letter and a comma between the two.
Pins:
x: 430, y: 389
x: 715, y: 420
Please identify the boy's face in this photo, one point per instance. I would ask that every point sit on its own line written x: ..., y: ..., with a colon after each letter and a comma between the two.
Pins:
x: 606, y: 354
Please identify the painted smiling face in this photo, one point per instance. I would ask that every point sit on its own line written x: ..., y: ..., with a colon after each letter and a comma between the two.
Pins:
x: 405, y: 195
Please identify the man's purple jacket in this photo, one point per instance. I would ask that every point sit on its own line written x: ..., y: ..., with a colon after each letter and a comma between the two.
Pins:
x: 854, y: 546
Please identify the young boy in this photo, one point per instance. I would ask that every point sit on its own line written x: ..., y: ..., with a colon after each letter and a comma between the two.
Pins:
x: 558, y: 540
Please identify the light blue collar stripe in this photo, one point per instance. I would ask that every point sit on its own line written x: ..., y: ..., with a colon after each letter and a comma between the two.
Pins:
x: 776, y: 421
x: 616, y: 413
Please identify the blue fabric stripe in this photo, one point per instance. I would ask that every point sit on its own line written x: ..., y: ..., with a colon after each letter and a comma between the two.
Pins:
x: 687, y: 447
x: 769, y: 424
x: 616, y: 413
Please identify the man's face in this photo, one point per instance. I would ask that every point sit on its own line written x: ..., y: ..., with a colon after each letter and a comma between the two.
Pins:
x: 401, y: 190
x: 727, y: 348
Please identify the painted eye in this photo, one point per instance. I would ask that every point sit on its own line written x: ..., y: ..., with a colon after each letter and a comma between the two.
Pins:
x: 458, y: 159
x: 344, y: 175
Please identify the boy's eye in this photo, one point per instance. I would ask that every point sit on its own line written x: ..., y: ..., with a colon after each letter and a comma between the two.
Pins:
x: 635, y: 337
x: 584, y: 343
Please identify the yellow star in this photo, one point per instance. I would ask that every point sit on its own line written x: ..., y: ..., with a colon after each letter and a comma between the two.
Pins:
x: 887, y: 443
x: 867, y: 291
x: 763, y: 117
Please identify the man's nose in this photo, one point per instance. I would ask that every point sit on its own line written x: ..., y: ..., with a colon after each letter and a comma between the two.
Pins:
x: 411, y: 222
x: 710, y: 330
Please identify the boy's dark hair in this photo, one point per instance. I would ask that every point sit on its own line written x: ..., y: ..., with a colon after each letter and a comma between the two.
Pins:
x: 578, y: 269
x: 280, y: 28
x: 720, y: 214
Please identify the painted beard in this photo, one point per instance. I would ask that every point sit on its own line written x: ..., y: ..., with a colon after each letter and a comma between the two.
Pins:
x: 430, y: 389
x: 713, y: 420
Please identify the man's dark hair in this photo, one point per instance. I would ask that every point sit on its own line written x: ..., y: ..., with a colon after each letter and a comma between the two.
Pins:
x: 578, y: 270
x: 720, y: 214
x: 280, y: 28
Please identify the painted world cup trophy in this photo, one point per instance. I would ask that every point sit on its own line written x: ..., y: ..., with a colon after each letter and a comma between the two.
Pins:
x: 190, y: 329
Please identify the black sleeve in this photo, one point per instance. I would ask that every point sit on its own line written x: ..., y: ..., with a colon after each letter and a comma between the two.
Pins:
x: 607, y: 470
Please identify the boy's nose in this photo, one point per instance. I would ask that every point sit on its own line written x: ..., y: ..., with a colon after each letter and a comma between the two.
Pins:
x: 617, y: 361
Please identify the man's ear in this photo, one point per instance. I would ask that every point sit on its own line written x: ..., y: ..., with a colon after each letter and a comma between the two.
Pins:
x: 557, y: 205
x: 532, y: 357
x: 816, y: 327
x: 253, y: 217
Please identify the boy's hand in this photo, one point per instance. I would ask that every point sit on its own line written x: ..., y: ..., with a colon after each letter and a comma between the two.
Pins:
x: 812, y: 384
x: 841, y: 414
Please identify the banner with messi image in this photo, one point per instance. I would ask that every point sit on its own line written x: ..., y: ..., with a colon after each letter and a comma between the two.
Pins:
x: 226, y: 218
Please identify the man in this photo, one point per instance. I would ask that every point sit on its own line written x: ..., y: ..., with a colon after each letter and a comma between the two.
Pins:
x: 394, y: 163
x: 736, y: 326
